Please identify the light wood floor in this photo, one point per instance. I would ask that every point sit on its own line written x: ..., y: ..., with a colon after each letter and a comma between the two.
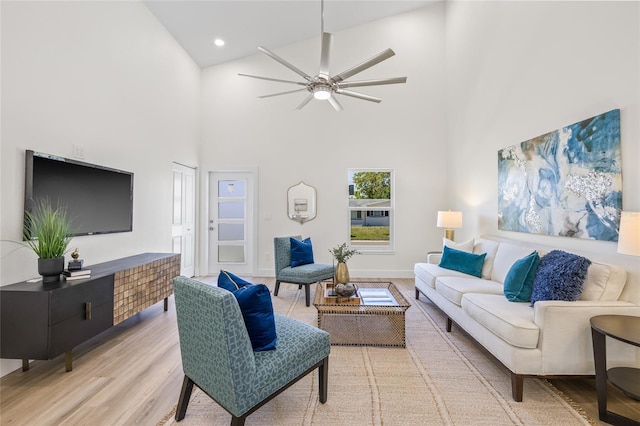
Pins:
x: 131, y: 374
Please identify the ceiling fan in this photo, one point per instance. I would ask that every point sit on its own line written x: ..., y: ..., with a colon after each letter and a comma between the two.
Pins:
x: 323, y: 86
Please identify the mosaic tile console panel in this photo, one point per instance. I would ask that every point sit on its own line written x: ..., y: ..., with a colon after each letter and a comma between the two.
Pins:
x: 137, y: 288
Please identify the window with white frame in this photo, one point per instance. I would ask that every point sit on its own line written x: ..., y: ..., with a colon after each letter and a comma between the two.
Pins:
x: 371, y: 209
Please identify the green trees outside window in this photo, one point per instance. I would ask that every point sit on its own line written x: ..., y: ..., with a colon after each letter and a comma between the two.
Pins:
x: 371, y: 208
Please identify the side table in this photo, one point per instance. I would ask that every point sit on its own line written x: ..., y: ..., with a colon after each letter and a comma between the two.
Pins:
x: 625, y: 329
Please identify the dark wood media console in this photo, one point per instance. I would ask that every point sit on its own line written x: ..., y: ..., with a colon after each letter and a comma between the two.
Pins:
x: 42, y: 321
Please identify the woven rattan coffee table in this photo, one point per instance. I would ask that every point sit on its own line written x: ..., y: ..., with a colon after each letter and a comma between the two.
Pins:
x: 374, y: 317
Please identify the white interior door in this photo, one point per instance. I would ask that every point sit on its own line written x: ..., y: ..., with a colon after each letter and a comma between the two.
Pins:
x: 183, y: 228
x: 230, y: 223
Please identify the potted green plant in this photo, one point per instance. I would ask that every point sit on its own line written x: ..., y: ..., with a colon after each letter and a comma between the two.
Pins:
x: 47, y: 232
x: 342, y: 253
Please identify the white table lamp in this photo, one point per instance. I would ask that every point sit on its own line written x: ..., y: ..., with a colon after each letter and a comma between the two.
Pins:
x: 629, y: 235
x: 449, y: 220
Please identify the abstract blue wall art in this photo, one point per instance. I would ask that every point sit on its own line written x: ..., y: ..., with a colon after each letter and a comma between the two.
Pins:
x: 565, y: 183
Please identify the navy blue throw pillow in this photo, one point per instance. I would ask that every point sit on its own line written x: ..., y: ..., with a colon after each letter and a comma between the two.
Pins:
x: 560, y: 276
x: 257, y: 311
x: 462, y: 261
x: 256, y: 307
x: 301, y: 252
x: 231, y: 282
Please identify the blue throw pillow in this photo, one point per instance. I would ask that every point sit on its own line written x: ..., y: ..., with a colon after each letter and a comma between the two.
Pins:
x: 462, y: 261
x: 257, y: 311
x: 560, y: 276
x: 231, y: 282
x: 256, y: 307
x: 518, y: 284
x: 301, y: 252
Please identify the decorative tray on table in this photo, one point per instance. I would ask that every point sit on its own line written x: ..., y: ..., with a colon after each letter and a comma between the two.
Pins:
x: 330, y: 296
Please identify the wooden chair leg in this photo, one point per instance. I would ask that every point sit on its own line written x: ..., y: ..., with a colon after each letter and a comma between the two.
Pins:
x: 277, y: 288
x: 185, y: 395
x: 238, y: 421
x: 307, y: 294
x: 323, y: 380
x: 517, y: 386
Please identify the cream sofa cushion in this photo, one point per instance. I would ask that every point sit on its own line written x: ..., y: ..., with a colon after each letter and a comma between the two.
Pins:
x: 464, y: 246
x: 489, y: 247
x: 510, y: 321
x: 428, y: 273
x: 603, y: 282
x: 453, y: 288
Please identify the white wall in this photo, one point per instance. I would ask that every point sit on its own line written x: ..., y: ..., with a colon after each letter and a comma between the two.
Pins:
x: 516, y: 70
x: 108, y: 77
x: 317, y: 144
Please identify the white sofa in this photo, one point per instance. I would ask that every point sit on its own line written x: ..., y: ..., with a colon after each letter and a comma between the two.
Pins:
x: 551, y: 339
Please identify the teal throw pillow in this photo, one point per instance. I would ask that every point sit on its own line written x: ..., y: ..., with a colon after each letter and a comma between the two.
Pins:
x: 231, y: 282
x: 301, y: 252
x: 518, y: 284
x: 462, y: 261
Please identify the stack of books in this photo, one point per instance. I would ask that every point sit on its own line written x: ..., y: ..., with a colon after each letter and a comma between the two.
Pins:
x: 77, y: 274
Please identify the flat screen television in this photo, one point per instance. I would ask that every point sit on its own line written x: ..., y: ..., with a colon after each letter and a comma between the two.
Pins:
x: 98, y: 200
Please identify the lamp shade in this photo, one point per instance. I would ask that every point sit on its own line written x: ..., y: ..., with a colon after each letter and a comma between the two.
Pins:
x: 629, y: 236
x: 449, y: 219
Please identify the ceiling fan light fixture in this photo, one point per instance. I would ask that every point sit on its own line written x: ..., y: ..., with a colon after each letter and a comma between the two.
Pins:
x: 323, y: 86
x: 322, y: 92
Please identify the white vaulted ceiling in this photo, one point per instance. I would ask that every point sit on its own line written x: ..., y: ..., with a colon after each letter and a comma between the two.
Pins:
x: 245, y: 25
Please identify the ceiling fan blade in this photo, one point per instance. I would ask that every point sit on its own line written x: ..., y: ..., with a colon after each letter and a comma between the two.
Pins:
x: 386, y: 54
x: 325, y: 55
x: 283, y: 62
x: 359, y: 96
x: 282, y: 93
x: 377, y: 82
x: 306, y: 101
x: 334, y: 103
x: 273, y: 79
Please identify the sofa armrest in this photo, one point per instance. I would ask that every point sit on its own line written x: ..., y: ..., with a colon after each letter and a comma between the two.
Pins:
x: 558, y: 310
x: 434, y: 257
x: 565, y: 333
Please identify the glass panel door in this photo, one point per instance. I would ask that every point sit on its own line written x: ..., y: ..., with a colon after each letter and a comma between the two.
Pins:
x: 230, y: 222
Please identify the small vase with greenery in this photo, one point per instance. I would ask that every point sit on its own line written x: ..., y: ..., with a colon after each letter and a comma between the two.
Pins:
x: 342, y: 253
x: 47, y: 232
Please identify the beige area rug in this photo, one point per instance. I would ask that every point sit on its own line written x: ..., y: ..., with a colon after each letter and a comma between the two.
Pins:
x: 439, y: 379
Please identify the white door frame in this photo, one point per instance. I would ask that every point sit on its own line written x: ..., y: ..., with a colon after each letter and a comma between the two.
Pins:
x: 252, y: 252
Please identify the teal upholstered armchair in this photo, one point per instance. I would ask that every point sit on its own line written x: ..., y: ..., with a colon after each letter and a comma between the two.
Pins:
x: 303, y: 275
x: 217, y: 355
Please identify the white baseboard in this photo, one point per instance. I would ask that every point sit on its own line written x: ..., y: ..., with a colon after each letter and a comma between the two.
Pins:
x: 9, y: 365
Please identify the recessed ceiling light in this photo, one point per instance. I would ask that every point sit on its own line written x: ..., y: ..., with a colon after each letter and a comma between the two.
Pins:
x: 218, y: 42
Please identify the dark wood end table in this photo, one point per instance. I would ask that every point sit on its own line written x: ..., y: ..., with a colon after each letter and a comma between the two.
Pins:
x: 625, y: 329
